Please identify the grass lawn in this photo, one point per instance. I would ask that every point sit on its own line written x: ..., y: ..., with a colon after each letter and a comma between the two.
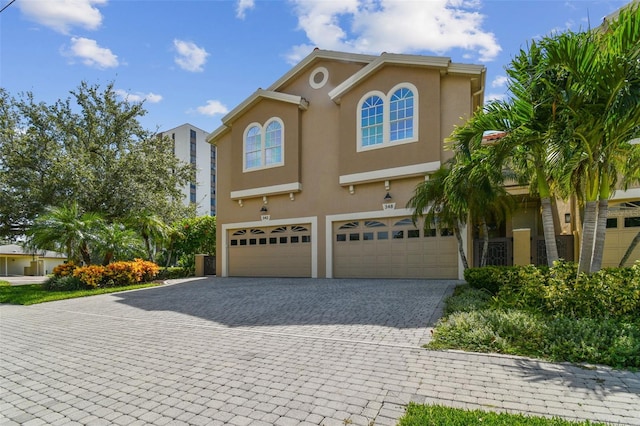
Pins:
x: 34, y: 293
x: 436, y: 415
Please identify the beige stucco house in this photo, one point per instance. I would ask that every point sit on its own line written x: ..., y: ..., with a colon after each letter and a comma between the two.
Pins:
x: 315, y: 171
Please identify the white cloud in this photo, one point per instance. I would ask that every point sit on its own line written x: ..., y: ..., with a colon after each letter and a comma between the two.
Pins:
x: 138, y: 96
x: 494, y: 97
x: 243, y: 6
x: 212, y: 108
x: 91, y: 54
x: 62, y: 15
x: 397, y: 26
x: 499, y: 81
x: 190, y: 57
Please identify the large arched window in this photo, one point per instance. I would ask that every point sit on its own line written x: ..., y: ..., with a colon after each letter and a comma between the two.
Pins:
x: 264, y: 145
x: 384, y: 120
x: 372, y: 121
x: 401, y: 115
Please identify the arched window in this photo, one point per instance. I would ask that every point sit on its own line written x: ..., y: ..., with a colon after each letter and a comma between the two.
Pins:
x: 273, y: 143
x: 384, y: 120
x: 253, y: 147
x: 401, y: 115
x: 372, y: 120
x: 263, y: 145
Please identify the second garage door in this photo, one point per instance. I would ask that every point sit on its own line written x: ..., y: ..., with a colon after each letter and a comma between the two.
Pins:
x: 280, y: 251
x: 392, y: 248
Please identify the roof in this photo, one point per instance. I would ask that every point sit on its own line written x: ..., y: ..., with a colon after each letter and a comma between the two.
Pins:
x: 17, y: 250
x: 257, y: 96
x: 371, y: 64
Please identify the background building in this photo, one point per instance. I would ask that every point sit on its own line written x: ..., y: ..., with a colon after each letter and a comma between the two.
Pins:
x: 190, y: 145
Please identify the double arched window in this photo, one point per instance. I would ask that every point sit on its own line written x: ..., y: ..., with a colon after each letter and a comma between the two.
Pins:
x: 264, y: 145
x: 385, y: 119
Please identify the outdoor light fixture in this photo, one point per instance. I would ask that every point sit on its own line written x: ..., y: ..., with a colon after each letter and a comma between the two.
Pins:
x: 567, y: 218
x: 387, y: 198
x: 263, y: 209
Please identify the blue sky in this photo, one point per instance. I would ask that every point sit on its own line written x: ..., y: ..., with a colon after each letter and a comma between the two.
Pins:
x: 194, y: 60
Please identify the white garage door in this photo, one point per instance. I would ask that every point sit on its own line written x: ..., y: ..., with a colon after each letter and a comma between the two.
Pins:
x: 392, y: 248
x: 279, y: 251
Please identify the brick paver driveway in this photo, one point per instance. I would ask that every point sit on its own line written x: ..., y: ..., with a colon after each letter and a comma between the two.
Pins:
x: 271, y: 351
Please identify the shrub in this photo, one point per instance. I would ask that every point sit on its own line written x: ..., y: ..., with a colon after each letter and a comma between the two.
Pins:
x: 92, y: 276
x: 64, y: 269
x: 128, y: 273
x: 467, y: 299
x: 598, y: 341
x: 173, y: 273
x: 63, y: 283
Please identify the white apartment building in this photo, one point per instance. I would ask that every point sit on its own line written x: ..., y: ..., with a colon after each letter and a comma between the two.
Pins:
x: 190, y: 145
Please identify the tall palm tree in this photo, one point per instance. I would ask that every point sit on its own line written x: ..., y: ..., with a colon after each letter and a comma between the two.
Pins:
x: 599, y: 108
x: 67, y: 228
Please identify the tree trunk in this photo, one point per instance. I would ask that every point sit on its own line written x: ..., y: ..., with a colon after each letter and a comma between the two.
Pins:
x: 549, y: 231
x: 107, y: 258
x: 485, y: 245
x: 630, y: 249
x: 600, y: 234
x: 463, y: 256
x: 588, y: 237
x: 85, y: 253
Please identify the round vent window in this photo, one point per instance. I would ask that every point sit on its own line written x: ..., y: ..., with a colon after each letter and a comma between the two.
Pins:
x: 318, y: 77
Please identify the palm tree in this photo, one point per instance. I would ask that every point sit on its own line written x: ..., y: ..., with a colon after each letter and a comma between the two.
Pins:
x: 430, y: 200
x: 66, y: 227
x: 599, y: 107
x: 115, y: 241
x: 151, y: 228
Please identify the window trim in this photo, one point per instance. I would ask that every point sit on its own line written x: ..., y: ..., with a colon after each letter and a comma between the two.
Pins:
x: 263, y: 145
x: 386, y: 118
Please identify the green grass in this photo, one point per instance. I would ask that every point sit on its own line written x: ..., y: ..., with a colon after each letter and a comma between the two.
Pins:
x: 31, y: 294
x: 436, y: 415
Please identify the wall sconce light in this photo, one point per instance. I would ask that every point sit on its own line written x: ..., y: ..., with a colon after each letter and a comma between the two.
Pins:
x: 567, y: 218
x: 263, y: 209
x: 387, y: 198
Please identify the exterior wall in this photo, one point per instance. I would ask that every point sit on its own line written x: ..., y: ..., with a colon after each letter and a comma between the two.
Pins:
x: 204, y: 195
x: 336, y: 181
x: 15, y: 265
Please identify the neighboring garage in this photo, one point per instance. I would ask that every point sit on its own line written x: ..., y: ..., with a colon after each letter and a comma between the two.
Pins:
x: 623, y: 224
x: 277, y: 251
x: 392, y: 248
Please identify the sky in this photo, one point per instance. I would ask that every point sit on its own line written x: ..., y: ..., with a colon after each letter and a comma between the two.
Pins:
x: 192, y: 61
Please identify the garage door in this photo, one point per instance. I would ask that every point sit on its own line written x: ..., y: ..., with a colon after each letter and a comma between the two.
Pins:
x: 282, y: 251
x: 392, y: 248
x: 620, y: 233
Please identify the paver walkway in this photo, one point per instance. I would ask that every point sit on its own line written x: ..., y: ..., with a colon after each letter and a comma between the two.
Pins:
x: 271, y: 352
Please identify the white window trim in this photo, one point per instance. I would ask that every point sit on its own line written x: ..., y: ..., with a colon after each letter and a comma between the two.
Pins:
x: 263, y: 141
x: 386, y: 120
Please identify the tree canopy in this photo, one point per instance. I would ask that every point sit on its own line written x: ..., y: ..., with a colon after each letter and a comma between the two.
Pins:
x: 90, y: 150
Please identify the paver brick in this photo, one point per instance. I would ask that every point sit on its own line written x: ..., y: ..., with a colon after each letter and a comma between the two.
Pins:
x: 272, y: 350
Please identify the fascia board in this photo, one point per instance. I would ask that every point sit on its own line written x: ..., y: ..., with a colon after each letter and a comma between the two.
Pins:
x: 439, y: 62
x: 313, y: 57
x: 262, y: 94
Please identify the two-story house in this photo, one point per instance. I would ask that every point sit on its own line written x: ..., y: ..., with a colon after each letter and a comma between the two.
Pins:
x: 314, y: 172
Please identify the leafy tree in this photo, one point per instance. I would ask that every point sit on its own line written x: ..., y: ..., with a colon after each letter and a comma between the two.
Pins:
x: 66, y: 228
x: 89, y: 149
x: 195, y: 236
